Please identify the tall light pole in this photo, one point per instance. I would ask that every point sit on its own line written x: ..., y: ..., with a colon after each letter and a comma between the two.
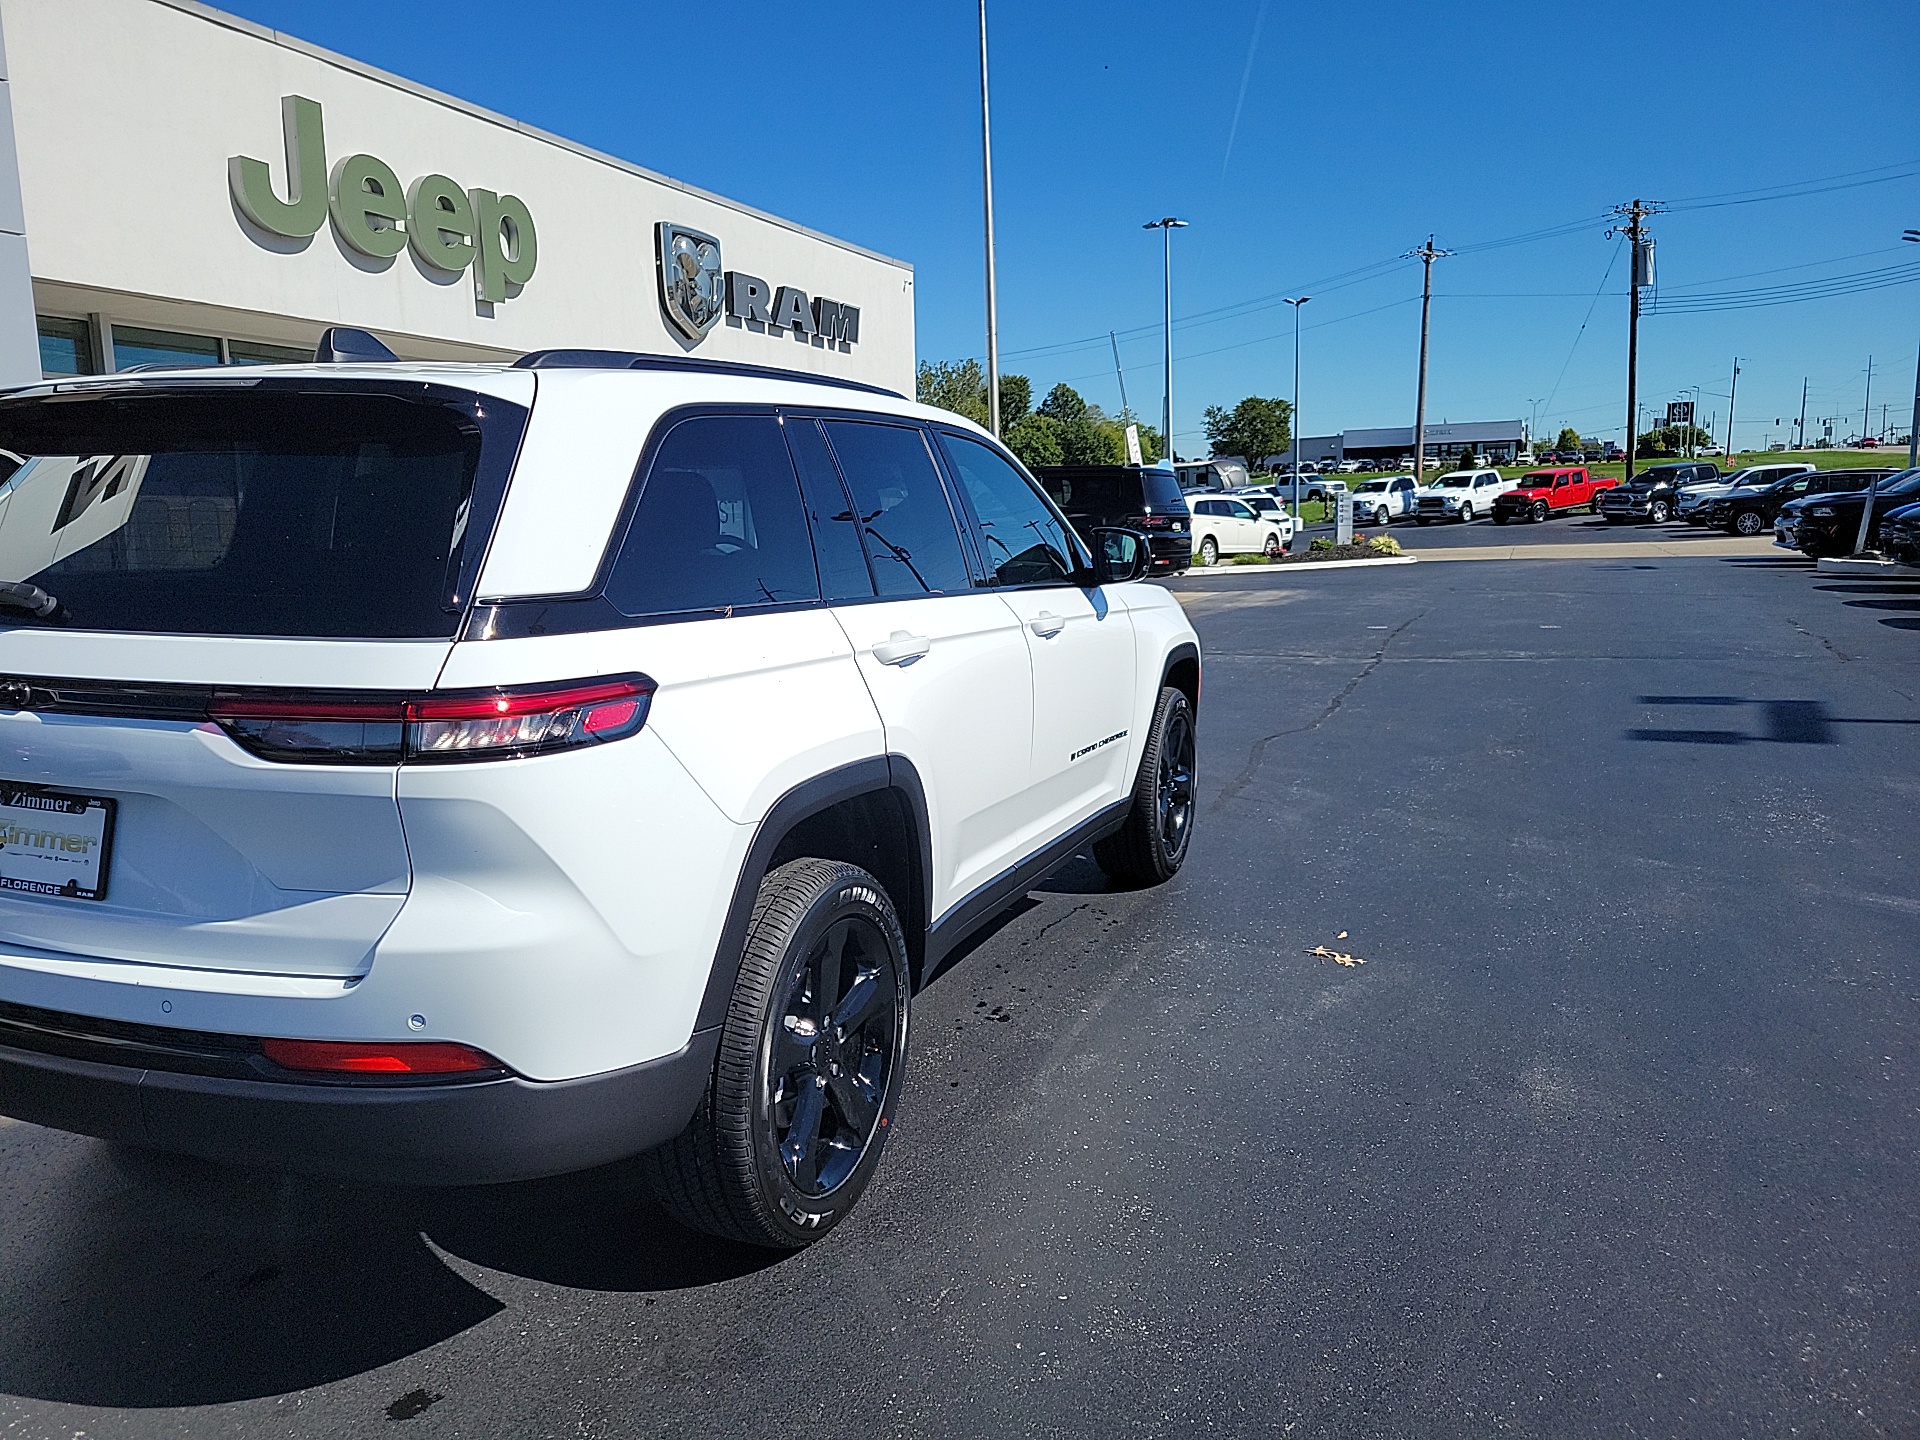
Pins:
x: 1733, y: 389
x: 1533, y: 420
x: 1296, y: 304
x: 1426, y: 254
x: 1166, y: 226
x: 1640, y: 273
x: 986, y: 191
x: 1913, y: 435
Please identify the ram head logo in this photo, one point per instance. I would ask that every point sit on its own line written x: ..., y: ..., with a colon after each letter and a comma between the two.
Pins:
x: 692, y: 286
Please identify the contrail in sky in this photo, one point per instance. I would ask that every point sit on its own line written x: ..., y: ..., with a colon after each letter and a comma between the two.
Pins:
x: 1245, y: 75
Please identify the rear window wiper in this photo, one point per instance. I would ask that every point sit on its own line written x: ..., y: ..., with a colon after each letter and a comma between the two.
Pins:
x: 19, y: 595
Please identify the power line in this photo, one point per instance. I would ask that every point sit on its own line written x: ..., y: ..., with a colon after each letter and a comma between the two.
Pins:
x: 1856, y: 283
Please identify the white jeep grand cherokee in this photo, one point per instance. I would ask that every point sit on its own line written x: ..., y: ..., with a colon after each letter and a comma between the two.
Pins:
x: 450, y: 774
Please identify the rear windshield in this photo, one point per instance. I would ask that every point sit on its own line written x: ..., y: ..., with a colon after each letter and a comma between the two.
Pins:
x: 264, y: 512
x: 1113, y: 494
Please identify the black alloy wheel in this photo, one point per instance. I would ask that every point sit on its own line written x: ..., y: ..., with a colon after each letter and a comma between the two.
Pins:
x: 1538, y: 512
x: 810, y: 1066
x: 1151, y: 845
x: 1749, y: 522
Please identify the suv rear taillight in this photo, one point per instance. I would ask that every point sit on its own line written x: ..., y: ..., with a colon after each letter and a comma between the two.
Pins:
x: 352, y: 1057
x: 432, y: 729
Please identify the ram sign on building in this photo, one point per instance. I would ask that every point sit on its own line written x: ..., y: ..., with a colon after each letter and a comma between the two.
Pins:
x: 181, y: 186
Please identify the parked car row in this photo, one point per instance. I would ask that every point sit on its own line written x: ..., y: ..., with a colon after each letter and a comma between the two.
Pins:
x: 1826, y: 522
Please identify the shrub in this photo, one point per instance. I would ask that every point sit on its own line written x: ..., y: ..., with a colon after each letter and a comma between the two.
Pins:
x: 1384, y: 545
x: 1320, y: 542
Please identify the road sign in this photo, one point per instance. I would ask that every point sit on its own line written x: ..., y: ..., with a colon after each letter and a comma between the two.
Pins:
x: 1133, y: 445
x: 1680, y: 412
x: 1343, y: 518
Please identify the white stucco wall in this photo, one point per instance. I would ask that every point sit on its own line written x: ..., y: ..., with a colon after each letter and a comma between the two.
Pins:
x: 126, y: 112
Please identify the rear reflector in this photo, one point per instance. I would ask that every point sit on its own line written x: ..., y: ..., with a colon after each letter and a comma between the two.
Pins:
x: 435, y: 728
x: 339, y: 1057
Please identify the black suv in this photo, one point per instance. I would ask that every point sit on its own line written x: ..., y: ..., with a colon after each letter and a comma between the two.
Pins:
x: 1750, y: 510
x: 1654, y: 494
x: 1145, y: 498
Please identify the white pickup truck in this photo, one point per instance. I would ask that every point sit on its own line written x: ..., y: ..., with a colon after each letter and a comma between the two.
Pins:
x: 1460, y: 495
x: 1381, y: 502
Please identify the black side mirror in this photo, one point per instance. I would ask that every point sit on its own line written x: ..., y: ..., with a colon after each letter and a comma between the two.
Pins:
x: 1118, y: 556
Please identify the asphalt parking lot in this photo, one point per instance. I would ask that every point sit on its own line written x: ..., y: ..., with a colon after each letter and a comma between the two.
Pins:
x: 1612, y: 1133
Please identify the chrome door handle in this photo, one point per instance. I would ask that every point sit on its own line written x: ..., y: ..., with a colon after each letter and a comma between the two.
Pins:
x: 900, y: 647
x: 1047, y: 624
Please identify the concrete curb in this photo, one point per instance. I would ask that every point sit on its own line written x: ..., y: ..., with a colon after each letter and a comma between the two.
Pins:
x: 1295, y: 567
x: 1880, y: 569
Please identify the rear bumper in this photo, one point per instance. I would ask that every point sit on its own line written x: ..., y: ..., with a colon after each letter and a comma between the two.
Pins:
x: 480, y: 1132
x: 1168, y: 553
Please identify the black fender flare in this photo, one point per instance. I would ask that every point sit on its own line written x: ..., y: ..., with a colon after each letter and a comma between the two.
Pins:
x: 878, y: 774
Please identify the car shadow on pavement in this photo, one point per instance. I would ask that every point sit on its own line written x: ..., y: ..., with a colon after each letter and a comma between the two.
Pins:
x: 154, y: 1282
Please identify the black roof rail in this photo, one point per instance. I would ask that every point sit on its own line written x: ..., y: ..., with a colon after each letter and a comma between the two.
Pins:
x: 632, y: 360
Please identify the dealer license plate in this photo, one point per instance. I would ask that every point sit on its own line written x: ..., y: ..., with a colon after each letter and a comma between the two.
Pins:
x: 53, y: 842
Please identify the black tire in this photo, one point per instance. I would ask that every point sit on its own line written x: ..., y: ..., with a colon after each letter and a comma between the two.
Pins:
x: 1150, y: 847
x: 1274, y: 549
x: 1209, y: 552
x: 1748, y: 522
x: 1538, y: 512
x: 1659, y: 513
x: 797, y: 1111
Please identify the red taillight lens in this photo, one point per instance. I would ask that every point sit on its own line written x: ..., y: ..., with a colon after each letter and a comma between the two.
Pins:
x: 525, y: 722
x: 348, y: 1057
x: 1154, y: 522
x: 451, y: 726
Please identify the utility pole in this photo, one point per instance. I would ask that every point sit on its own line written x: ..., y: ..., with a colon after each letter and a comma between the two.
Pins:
x: 1126, y: 410
x: 1166, y: 225
x: 1803, y: 412
x: 1732, y: 390
x: 1426, y: 255
x: 1641, y: 273
x: 1866, y: 415
x: 1295, y: 418
x: 1913, y: 435
x: 986, y: 190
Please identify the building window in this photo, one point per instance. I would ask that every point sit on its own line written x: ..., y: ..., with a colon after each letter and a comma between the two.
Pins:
x: 162, y: 347
x: 245, y: 352
x: 66, y: 347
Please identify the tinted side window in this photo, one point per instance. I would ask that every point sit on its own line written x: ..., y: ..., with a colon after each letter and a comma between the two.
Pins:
x: 836, y: 529
x: 1025, y: 545
x: 719, y: 525
x: 910, y: 534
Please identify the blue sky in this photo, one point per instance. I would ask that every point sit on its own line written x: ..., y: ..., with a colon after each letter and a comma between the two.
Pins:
x: 1361, y: 128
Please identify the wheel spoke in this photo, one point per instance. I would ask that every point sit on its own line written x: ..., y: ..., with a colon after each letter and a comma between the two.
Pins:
x: 793, y: 1041
x: 830, y: 971
x: 866, y: 997
x: 799, y: 1148
x: 853, y: 1102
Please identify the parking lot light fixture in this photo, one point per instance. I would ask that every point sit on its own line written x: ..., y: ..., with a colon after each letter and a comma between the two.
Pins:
x: 1166, y: 225
x: 1296, y: 304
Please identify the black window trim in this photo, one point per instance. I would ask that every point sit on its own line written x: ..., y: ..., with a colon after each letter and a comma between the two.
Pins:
x: 1083, y: 562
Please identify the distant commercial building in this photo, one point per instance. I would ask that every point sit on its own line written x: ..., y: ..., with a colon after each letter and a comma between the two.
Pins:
x: 1497, y: 439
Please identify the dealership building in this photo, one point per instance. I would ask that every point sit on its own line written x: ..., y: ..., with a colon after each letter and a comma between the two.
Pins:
x: 180, y: 186
x: 1446, y: 443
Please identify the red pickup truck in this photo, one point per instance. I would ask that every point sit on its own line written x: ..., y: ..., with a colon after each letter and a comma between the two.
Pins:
x: 1540, y: 493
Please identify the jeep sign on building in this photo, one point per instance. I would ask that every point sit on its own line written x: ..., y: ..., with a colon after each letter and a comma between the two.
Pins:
x: 185, y: 187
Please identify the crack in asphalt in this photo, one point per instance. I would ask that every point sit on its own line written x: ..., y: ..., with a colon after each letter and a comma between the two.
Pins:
x: 1832, y: 648
x: 1258, y: 753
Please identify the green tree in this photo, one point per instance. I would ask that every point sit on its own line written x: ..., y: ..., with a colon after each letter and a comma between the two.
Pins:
x: 1569, y: 439
x: 1016, y: 399
x: 1063, y: 403
x: 961, y: 386
x: 1253, y: 429
x: 1036, y: 440
x: 1468, y: 459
